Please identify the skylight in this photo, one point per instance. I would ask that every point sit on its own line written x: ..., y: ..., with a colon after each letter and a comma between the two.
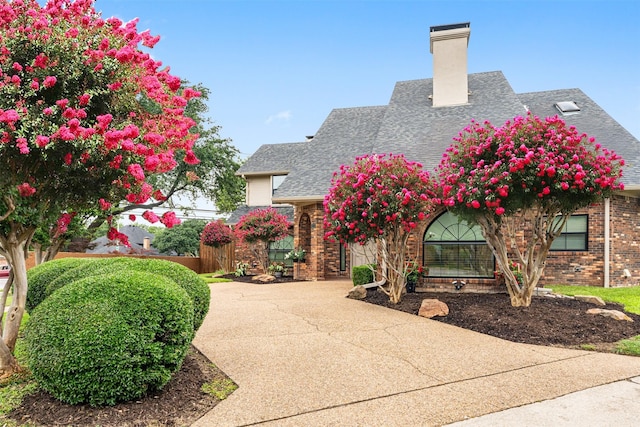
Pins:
x: 567, y: 107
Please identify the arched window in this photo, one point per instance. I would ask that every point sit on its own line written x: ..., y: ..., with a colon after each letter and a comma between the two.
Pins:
x: 453, y: 248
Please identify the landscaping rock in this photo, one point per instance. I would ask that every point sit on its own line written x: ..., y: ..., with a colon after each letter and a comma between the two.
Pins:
x: 433, y: 307
x: 614, y: 314
x: 263, y: 278
x: 591, y: 299
x: 357, y: 292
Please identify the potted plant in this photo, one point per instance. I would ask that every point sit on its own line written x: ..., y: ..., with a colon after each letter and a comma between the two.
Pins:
x: 412, y: 272
x: 276, y: 269
x: 296, y: 255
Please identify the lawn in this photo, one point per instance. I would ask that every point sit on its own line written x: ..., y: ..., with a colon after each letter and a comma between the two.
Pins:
x: 628, y: 297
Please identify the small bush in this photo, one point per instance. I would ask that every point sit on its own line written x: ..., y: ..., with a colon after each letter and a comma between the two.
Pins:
x: 197, y: 289
x: 109, y: 338
x: 362, y: 274
x: 40, y: 277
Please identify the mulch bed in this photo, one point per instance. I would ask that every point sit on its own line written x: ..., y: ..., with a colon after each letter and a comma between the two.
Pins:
x: 179, y: 403
x: 547, y: 321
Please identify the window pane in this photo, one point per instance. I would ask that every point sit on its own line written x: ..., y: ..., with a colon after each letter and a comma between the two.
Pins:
x: 576, y: 224
x: 575, y: 242
x: 279, y: 248
x: 458, y: 260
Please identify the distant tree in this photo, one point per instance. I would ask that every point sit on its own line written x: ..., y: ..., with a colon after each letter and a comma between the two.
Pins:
x: 75, y: 133
x: 525, y: 179
x: 182, y: 239
x: 260, y: 227
x: 380, y: 198
x: 217, y: 234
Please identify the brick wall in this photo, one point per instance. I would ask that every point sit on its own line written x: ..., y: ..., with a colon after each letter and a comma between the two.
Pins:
x: 577, y: 268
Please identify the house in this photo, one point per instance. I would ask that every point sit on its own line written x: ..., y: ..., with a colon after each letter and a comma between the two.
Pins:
x: 139, y: 239
x: 600, y: 245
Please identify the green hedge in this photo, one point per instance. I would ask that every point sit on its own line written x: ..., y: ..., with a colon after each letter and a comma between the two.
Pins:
x: 197, y: 288
x: 362, y: 274
x: 109, y: 338
x: 40, y: 277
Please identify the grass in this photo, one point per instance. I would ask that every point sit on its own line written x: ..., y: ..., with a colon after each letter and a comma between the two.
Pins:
x: 220, y: 388
x: 628, y: 297
x: 212, y: 277
x: 17, y: 386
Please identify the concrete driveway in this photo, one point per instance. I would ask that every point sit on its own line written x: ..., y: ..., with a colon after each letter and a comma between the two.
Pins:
x: 304, y: 355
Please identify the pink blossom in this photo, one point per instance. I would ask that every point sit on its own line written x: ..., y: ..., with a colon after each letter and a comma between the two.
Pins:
x: 26, y: 190
x: 136, y: 171
x: 104, y: 205
x: 150, y: 216
x: 21, y: 143
x: 169, y: 219
x: 499, y: 210
x: 42, y: 141
x: 49, y: 81
x: 68, y: 158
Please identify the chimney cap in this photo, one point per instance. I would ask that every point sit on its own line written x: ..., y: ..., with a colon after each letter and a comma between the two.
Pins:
x: 449, y: 27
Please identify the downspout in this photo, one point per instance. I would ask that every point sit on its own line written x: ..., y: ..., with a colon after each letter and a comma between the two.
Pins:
x: 607, y: 242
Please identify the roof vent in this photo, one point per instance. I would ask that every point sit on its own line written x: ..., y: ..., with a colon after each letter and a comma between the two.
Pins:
x: 567, y: 108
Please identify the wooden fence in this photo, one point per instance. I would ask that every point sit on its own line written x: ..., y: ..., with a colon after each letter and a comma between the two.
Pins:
x: 210, y: 258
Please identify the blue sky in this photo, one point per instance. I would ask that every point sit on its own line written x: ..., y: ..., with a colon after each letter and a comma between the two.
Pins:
x: 277, y: 68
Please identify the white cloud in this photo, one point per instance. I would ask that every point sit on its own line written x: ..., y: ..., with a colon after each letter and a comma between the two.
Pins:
x: 281, y: 117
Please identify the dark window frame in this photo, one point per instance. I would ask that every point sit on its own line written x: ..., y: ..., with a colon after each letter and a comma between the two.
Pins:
x: 563, y: 236
x: 452, y: 244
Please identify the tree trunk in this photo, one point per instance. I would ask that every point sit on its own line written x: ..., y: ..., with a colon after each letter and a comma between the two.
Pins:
x: 13, y: 243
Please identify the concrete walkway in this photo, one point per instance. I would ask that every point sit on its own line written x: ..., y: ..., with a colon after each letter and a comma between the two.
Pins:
x: 304, y: 355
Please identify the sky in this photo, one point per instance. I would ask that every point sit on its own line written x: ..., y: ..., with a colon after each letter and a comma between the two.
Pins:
x: 276, y: 68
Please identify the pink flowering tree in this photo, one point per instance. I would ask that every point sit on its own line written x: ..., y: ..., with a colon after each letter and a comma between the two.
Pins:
x: 217, y: 234
x: 380, y: 198
x: 522, y: 181
x: 76, y: 129
x: 260, y: 227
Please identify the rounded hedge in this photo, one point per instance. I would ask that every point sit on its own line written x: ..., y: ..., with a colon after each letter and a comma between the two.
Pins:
x: 109, y: 338
x: 197, y: 288
x: 40, y: 277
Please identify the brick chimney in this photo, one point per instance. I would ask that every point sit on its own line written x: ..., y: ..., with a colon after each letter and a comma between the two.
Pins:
x: 449, y: 48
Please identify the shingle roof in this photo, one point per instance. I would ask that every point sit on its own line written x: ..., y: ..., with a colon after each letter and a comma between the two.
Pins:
x: 244, y: 209
x: 593, y: 121
x: 410, y: 125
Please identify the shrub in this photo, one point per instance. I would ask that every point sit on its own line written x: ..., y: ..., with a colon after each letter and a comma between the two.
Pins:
x: 40, y: 277
x: 196, y: 288
x: 362, y: 274
x: 109, y: 338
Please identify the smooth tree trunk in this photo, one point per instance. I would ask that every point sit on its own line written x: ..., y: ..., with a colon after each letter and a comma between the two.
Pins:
x: 531, y: 255
x: 13, y: 244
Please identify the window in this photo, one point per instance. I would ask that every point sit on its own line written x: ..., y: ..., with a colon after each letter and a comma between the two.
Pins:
x: 453, y: 248
x: 279, y: 248
x: 574, y: 235
x: 567, y: 108
x: 343, y: 258
x: 276, y: 181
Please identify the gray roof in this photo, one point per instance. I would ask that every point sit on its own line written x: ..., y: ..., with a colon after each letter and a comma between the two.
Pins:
x: 244, y: 209
x: 410, y: 125
x: 136, y: 235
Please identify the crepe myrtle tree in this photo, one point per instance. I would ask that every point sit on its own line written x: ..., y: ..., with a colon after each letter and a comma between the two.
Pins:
x: 74, y: 132
x: 381, y: 198
x: 260, y: 227
x: 217, y: 234
x: 524, y: 178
